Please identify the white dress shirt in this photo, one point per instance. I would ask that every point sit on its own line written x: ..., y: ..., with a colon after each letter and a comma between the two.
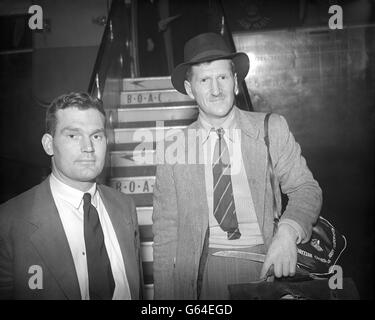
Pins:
x: 245, y: 210
x: 69, y: 203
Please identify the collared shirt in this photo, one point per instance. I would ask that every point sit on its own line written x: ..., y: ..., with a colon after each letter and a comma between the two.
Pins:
x: 69, y: 203
x: 245, y: 210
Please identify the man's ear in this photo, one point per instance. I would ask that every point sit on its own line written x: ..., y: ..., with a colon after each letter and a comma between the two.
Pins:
x: 235, y: 84
x: 47, y: 140
x: 188, y: 89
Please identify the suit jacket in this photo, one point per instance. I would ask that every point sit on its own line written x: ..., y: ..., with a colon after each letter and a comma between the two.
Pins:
x: 180, y: 217
x: 32, y: 234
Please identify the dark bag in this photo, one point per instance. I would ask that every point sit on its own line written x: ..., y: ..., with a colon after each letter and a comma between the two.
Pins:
x: 326, y: 244
x: 287, y: 290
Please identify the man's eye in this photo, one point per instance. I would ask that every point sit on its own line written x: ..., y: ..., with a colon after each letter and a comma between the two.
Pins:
x: 98, y: 137
x: 223, y: 77
x: 72, y: 136
x: 204, y: 80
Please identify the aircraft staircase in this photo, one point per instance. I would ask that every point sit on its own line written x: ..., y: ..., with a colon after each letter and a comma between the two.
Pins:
x: 148, y: 107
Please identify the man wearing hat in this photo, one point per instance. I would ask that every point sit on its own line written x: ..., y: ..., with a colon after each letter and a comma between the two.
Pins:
x: 226, y: 202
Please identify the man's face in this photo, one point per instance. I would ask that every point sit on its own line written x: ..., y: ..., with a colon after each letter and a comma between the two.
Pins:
x: 213, y: 86
x: 78, y: 146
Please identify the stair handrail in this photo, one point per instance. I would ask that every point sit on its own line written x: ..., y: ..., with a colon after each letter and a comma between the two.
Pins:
x: 243, y: 97
x: 116, y: 44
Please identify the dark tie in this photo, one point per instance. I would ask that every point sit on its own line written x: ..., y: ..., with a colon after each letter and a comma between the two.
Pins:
x: 224, y: 207
x: 101, y: 282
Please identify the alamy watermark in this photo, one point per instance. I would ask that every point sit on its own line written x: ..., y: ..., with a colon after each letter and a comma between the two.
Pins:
x: 36, y: 20
x: 184, y: 146
x: 36, y: 280
x: 336, y: 20
x: 336, y: 280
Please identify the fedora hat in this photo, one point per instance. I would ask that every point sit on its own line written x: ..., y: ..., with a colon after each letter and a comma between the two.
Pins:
x: 208, y: 47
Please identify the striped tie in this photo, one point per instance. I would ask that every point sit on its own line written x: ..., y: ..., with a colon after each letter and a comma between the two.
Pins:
x: 224, y: 208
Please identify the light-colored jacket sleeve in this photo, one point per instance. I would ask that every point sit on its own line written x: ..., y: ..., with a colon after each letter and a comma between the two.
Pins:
x: 164, y: 228
x: 296, y: 180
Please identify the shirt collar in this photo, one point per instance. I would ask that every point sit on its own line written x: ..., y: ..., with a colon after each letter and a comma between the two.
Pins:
x: 229, y: 123
x: 72, y: 195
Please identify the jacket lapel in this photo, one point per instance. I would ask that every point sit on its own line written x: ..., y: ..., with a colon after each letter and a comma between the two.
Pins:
x: 254, y: 154
x: 194, y: 175
x: 50, y: 241
x: 126, y: 237
x: 192, y: 181
x: 193, y: 216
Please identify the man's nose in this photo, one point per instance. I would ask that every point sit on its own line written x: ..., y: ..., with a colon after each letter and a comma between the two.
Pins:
x: 87, y: 145
x: 215, y: 88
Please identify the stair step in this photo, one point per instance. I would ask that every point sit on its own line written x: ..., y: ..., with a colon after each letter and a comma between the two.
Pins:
x: 148, y: 272
x: 144, y: 215
x: 134, y: 84
x: 133, y: 163
x: 153, y: 97
x: 120, y: 147
x: 152, y: 124
x: 143, y: 200
x: 157, y: 113
x: 145, y: 135
x: 132, y: 158
x: 146, y: 251
x: 148, y: 291
x: 134, y: 171
x: 146, y: 233
x: 133, y: 185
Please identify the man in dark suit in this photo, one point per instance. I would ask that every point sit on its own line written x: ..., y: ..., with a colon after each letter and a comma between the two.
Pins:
x: 70, y: 237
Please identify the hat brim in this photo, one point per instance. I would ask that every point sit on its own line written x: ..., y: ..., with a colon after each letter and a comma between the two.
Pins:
x: 241, y: 66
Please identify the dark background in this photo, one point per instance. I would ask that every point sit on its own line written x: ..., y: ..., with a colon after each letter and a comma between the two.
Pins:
x: 330, y: 109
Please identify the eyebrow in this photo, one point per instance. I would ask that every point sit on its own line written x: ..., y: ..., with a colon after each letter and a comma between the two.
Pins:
x: 73, y: 129
x: 208, y: 75
x: 98, y: 131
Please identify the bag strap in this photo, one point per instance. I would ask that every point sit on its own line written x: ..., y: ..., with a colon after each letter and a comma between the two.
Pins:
x: 273, y: 179
x: 202, y: 263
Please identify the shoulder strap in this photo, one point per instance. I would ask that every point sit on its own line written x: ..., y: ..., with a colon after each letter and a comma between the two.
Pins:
x: 273, y: 178
x: 266, y: 137
x: 202, y: 263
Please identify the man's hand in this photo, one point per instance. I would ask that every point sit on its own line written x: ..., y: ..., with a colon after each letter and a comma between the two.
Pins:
x: 282, y: 253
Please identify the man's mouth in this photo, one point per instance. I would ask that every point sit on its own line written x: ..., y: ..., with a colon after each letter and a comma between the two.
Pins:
x: 217, y: 99
x: 86, y: 161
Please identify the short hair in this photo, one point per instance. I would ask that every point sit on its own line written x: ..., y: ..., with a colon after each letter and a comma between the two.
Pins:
x: 189, y: 71
x: 80, y: 100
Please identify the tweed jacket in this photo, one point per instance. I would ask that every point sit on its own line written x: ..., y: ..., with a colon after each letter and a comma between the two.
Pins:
x: 180, y: 217
x: 32, y: 234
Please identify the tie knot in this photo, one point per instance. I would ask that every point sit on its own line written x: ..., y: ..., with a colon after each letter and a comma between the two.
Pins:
x: 220, y: 132
x: 87, y: 198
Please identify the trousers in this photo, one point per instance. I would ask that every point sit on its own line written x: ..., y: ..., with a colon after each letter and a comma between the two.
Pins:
x: 220, y: 272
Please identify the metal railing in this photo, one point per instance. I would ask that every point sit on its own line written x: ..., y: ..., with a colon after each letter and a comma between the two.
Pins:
x: 118, y: 53
x: 243, y: 98
x: 116, y: 58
